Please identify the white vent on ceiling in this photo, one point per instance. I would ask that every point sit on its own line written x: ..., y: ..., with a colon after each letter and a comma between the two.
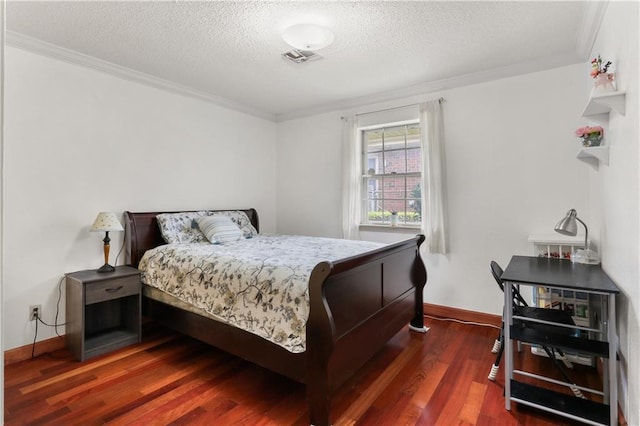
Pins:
x: 300, y: 56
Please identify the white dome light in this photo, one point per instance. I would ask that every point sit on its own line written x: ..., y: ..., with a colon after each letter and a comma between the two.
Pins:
x: 307, y: 36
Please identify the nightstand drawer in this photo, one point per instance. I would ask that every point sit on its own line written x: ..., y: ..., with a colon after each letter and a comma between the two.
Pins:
x: 112, y: 289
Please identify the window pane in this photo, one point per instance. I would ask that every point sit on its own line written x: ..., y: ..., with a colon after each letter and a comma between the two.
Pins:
x: 413, y: 136
x: 394, y: 138
x: 388, y: 207
x: 414, y: 160
x: 402, y: 214
x: 374, y: 188
x: 395, y: 162
x: 373, y: 140
x: 374, y: 164
x: 395, y: 196
x: 394, y: 187
x: 414, y: 192
x: 373, y: 198
x: 389, y: 154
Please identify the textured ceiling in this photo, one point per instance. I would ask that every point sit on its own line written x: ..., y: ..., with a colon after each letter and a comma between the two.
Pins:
x: 231, y: 50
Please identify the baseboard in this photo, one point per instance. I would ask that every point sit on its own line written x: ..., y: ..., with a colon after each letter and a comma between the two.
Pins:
x: 22, y: 353
x: 462, y: 314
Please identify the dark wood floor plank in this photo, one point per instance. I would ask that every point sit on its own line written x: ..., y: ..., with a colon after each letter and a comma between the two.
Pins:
x: 416, y: 379
x: 34, y: 404
x: 82, y: 368
x: 429, y: 380
x: 410, y: 377
x: 287, y: 411
x: 186, y: 367
x: 176, y: 390
x: 120, y: 390
x: 360, y: 406
x: 113, y: 374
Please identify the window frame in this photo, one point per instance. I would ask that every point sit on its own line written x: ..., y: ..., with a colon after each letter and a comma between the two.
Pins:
x: 385, y: 224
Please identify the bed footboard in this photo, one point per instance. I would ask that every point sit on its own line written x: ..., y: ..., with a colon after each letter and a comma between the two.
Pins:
x: 356, y: 306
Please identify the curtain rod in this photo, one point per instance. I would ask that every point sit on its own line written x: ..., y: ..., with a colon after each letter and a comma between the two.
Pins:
x: 441, y: 100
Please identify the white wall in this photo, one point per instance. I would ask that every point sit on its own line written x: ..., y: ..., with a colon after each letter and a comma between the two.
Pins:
x: 511, y: 172
x: 615, y: 193
x: 309, y: 189
x: 78, y: 141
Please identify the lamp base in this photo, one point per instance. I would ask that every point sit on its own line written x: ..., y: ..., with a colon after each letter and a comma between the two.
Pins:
x: 106, y: 268
x: 586, y: 256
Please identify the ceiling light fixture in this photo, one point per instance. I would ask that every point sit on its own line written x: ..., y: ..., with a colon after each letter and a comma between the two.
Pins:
x: 307, y: 37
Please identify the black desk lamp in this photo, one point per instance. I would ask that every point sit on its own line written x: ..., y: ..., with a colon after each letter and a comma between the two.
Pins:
x: 106, y: 221
x: 568, y: 226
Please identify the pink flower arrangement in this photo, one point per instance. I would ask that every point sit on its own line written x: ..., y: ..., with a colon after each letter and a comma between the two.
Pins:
x: 590, y: 135
x: 587, y: 131
x: 597, y: 68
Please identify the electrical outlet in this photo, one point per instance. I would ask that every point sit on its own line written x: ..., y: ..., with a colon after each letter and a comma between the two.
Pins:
x: 35, y: 311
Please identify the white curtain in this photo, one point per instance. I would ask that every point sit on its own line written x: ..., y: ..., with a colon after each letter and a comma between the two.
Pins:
x: 351, y: 178
x: 433, y: 176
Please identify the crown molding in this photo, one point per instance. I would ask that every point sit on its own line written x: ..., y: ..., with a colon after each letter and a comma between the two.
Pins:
x: 590, y: 27
x: 439, y: 85
x: 21, y: 41
x: 592, y: 19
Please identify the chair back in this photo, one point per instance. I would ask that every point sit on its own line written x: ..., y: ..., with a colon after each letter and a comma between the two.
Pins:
x: 497, y: 272
x: 522, y: 309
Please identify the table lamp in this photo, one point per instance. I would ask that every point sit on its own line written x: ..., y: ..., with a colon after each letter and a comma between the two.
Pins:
x: 106, y: 221
x: 568, y: 226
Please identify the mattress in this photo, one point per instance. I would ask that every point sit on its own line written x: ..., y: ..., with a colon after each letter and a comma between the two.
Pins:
x: 259, y: 284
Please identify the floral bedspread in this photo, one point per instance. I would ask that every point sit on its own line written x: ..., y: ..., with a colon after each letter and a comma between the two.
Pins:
x: 258, y: 284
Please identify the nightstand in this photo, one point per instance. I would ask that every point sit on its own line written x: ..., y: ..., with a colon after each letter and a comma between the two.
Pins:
x: 102, y: 311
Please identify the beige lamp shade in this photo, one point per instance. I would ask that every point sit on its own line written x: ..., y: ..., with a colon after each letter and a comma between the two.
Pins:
x: 106, y: 221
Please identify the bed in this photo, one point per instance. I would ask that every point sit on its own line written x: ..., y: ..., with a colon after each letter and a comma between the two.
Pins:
x: 355, y: 306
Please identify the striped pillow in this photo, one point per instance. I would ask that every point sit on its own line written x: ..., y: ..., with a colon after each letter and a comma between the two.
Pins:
x: 219, y: 229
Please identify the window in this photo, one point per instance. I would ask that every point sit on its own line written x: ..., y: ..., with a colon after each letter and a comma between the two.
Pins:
x: 392, y: 158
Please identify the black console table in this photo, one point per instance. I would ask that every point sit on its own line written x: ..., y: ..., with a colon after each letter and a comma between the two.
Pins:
x: 602, y: 342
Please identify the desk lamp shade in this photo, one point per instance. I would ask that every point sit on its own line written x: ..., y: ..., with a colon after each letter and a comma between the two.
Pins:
x: 568, y: 226
x: 106, y: 221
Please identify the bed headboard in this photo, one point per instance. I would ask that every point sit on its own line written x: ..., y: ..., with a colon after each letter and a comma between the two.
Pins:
x: 142, y: 232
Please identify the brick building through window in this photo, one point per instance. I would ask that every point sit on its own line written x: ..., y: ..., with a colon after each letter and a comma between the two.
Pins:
x: 393, y: 174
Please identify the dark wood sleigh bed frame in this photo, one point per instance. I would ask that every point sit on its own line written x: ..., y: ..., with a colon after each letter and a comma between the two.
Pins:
x: 356, y: 305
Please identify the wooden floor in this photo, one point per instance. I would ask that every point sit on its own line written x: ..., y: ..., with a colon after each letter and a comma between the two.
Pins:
x: 439, y: 378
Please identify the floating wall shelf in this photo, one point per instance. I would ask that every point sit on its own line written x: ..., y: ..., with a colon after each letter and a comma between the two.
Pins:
x: 598, y: 108
x: 602, y: 104
x: 594, y: 155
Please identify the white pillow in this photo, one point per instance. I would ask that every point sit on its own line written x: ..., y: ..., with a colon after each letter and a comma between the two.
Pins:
x: 219, y: 229
x: 181, y: 227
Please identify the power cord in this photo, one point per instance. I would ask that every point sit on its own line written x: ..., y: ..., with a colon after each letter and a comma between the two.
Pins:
x: 55, y: 325
x: 51, y: 325
x: 124, y: 240
x: 463, y: 322
x: 55, y: 321
x: 33, y: 347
